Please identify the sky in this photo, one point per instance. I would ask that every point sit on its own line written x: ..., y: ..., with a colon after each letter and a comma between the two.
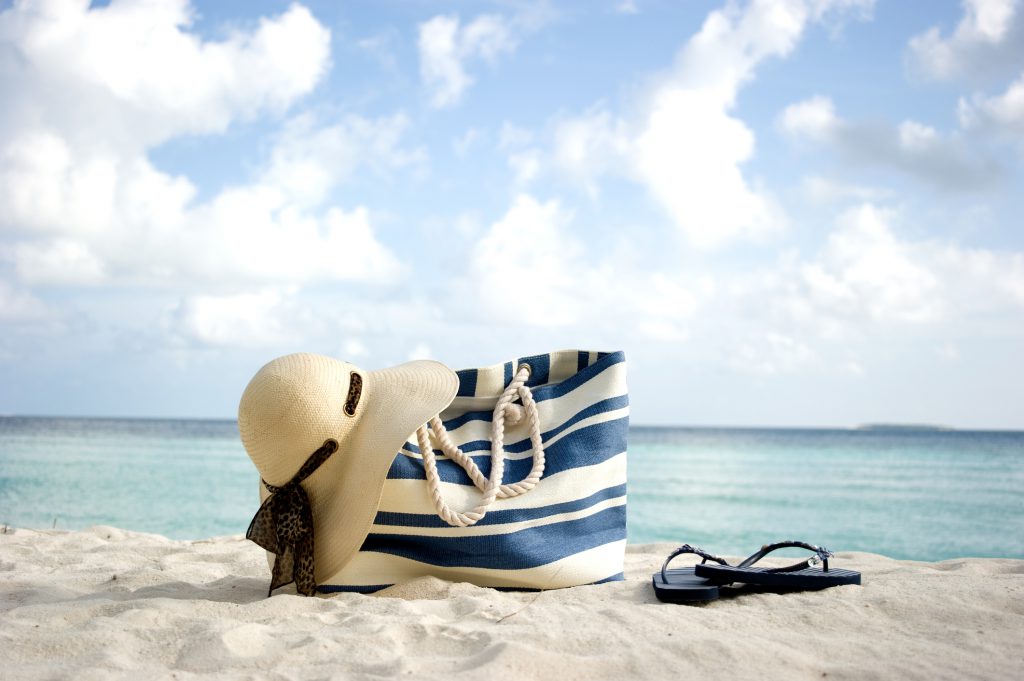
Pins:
x: 785, y: 212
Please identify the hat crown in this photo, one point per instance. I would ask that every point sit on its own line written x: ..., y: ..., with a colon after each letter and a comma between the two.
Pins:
x: 292, y: 405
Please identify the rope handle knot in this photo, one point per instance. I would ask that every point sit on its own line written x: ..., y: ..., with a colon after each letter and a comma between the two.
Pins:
x: 505, y: 412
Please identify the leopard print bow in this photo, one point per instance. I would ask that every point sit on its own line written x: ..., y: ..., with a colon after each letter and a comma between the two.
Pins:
x: 284, y: 526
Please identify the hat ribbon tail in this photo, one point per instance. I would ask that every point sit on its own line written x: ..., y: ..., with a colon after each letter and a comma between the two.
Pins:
x: 283, y: 525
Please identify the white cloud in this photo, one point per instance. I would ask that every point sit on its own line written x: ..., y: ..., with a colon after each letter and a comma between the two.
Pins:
x: 525, y: 166
x: 627, y: 7
x: 512, y: 136
x: 353, y: 348
x: 446, y: 47
x: 26, y: 320
x: 155, y: 234
x: 254, y: 235
x: 311, y: 158
x: 867, y: 274
x: 864, y: 271
x: 240, y: 321
x: 467, y: 225
x: 694, y: 170
x: 986, y: 46
x: 527, y: 257
x: 82, y: 203
x: 690, y: 149
x: 982, y: 280
x: 523, y: 160
x: 58, y: 261
x: 529, y: 270
x: 916, y: 137
x: 828, y: 190
x: 768, y: 354
x: 814, y: 118
x: 867, y: 287
x: 137, y: 67
x: 420, y: 351
x: 988, y: 19
x: 1002, y: 113
x: 588, y: 146
x: 19, y: 306
x: 666, y: 305
x: 462, y: 144
x: 366, y: 325
x: 382, y: 48
x: 43, y: 183
x: 687, y: 147
x: 986, y: 41
x: 945, y: 162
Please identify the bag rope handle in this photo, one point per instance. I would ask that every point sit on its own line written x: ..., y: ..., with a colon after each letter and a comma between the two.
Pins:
x: 491, y: 487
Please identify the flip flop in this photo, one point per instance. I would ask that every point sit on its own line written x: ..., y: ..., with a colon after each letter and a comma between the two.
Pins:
x: 800, y: 576
x: 681, y: 585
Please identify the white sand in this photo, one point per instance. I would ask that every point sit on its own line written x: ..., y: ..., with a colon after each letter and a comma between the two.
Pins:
x: 105, y: 603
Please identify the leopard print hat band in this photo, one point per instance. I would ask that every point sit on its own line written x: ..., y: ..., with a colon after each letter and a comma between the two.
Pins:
x: 284, y: 526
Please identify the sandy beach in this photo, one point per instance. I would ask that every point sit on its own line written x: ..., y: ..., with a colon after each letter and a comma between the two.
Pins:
x: 106, y: 603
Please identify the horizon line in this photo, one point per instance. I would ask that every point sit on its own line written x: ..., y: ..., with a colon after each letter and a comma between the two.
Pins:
x: 867, y: 427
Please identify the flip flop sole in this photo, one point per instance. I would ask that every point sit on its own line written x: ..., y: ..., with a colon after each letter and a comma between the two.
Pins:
x: 808, y: 578
x: 683, y: 586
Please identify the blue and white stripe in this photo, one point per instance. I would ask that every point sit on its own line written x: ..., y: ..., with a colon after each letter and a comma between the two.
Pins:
x: 569, y: 530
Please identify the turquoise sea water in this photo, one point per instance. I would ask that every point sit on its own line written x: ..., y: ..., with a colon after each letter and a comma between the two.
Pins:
x: 918, y: 495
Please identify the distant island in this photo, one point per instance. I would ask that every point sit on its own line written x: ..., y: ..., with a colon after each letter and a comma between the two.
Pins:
x: 903, y: 427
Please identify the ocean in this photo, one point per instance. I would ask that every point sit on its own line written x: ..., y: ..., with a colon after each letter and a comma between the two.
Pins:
x: 908, y: 494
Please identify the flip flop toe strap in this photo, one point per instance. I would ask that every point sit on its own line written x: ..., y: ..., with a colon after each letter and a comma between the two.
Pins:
x: 687, y: 548
x: 820, y: 557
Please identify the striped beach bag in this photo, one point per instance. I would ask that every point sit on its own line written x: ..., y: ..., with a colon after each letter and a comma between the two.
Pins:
x: 520, y: 483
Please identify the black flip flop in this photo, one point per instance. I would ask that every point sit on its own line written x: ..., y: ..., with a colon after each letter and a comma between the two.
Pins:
x: 804, y: 575
x: 681, y: 585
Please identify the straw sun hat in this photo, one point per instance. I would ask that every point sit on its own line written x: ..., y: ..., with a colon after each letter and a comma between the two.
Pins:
x: 342, y: 426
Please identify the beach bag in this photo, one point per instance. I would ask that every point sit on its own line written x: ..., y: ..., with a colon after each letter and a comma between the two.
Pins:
x: 557, y: 519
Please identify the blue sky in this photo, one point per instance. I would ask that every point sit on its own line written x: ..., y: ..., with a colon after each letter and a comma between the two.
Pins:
x: 788, y: 212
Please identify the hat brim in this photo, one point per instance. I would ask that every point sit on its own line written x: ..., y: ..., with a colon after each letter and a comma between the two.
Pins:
x: 345, y: 491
